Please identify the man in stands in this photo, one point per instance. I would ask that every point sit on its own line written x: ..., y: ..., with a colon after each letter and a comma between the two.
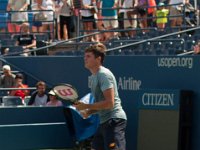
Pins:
x: 39, y: 97
x: 7, y: 79
x: 26, y: 39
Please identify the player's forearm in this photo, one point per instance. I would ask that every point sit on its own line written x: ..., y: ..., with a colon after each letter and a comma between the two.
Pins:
x: 90, y: 112
x: 101, y: 105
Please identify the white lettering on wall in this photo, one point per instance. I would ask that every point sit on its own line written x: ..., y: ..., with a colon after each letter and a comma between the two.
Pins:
x: 129, y: 83
x: 158, y: 99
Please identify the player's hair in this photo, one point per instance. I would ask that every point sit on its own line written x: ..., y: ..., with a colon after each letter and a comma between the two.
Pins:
x: 99, y: 50
x: 40, y: 83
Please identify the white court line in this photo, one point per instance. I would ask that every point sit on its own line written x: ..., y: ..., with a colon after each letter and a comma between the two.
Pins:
x: 32, y: 124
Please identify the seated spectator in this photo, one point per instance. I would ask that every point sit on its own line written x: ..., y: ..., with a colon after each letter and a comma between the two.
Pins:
x: 161, y: 15
x: 26, y: 39
x: 196, y: 48
x: 53, y: 100
x: 7, y: 78
x: 19, y: 84
x: 39, y: 97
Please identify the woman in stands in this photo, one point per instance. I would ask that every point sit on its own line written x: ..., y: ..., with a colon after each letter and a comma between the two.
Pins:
x: 37, y: 25
x: 17, y: 17
x: 48, y: 8
x: 87, y: 14
x: 53, y: 100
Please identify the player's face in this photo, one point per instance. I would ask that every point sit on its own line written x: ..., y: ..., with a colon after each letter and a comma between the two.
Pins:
x: 90, y: 60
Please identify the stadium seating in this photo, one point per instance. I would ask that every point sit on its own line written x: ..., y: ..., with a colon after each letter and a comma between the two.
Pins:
x: 163, y: 46
x: 15, y: 50
x: 11, y: 101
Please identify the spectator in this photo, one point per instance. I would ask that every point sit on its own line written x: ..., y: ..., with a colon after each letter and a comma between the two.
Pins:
x: 26, y: 39
x: 48, y: 8
x: 161, y: 15
x: 175, y: 15
x: 53, y: 100
x: 7, y: 79
x: 88, y: 17
x: 140, y: 8
x: 109, y: 14
x: 37, y: 25
x: 58, y: 5
x: 196, y: 48
x: 133, y: 21
x: 18, y: 17
x: 121, y: 18
x: 190, y: 14
x: 39, y: 97
x: 99, y: 24
x: 19, y: 84
x: 151, y: 13
x: 66, y: 19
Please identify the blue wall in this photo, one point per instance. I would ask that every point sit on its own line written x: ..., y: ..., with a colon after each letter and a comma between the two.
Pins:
x: 133, y: 73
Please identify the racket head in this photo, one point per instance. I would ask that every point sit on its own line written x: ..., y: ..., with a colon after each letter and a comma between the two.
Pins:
x: 66, y: 92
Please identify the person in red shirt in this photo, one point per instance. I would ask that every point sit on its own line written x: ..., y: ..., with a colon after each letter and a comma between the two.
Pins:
x: 151, y: 13
x: 19, y: 84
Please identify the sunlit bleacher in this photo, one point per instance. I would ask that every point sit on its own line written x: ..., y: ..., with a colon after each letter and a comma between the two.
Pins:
x: 143, y: 43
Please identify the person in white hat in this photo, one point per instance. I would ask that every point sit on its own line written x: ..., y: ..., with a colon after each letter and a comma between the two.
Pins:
x: 53, y: 99
x: 7, y: 78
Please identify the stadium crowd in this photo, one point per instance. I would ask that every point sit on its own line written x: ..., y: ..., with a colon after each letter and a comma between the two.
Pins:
x: 14, y: 87
x: 62, y: 18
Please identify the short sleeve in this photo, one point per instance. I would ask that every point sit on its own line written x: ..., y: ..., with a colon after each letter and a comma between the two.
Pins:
x: 105, y: 81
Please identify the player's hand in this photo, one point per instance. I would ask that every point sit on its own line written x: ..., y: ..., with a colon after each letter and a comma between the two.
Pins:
x: 80, y: 106
x: 84, y: 114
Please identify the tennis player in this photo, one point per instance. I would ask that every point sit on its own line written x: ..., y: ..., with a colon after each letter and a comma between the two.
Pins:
x: 111, y: 132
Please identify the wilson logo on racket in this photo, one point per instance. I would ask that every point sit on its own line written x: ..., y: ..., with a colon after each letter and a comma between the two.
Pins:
x: 65, y: 92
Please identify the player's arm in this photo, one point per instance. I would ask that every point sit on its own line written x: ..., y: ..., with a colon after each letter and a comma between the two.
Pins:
x: 107, y: 103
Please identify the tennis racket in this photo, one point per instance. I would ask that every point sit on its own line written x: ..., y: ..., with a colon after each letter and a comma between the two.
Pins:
x: 66, y: 92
